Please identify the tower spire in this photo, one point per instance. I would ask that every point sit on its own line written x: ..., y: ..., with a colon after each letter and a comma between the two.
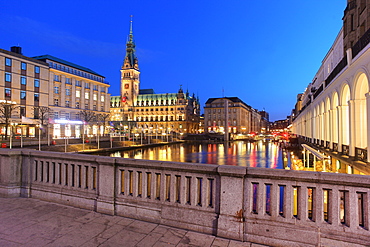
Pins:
x: 130, y: 61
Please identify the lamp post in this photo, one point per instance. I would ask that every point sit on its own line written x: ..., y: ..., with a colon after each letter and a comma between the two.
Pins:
x: 11, y: 135
x: 39, y: 125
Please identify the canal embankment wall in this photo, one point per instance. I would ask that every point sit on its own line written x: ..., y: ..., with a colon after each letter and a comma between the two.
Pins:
x: 267, y: 206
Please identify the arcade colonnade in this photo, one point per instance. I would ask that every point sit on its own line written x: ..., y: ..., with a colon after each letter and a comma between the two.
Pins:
x: 339, y: 117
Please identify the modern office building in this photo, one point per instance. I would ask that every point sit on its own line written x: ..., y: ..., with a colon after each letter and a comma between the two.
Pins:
x: 142, y: 110
x: 24, y: 83
x: 233, y: 112
x: 74, y: 89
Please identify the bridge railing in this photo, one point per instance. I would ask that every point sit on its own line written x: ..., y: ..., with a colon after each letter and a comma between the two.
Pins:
x: 267, y: 206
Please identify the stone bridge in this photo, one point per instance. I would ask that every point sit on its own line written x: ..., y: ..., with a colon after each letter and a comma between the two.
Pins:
x: 267, y: 206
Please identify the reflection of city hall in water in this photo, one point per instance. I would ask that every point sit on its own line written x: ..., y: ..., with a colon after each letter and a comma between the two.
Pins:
x: 146, y: 112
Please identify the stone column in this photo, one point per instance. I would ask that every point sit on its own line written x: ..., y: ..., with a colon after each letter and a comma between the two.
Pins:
x: 10, y: 173
x: 340, y: 128
x: 368, y: 124
x: 232, y: 211
x: 106, y: 185
x: 352, y: 127
x: 331, y: 129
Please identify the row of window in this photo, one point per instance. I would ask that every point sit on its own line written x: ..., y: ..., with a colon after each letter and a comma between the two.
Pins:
x: 78, y: 94
x: 78, y: 83
x: 77, y: 106
x: 75, y: 72
x: 157, y: 102
x: 8, y: 78
x: 23, y: 94
x: 158, y: 118
x: 8, y: 62
x: 219, y: 110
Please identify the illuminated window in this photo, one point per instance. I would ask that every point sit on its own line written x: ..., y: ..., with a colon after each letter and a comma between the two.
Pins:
x: 95, y: 96
x: 78, y: 93
x: 87, y: 96
x: 102, y: 98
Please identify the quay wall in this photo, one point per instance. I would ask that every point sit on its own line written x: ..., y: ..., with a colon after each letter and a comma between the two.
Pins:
x: 260, y: 205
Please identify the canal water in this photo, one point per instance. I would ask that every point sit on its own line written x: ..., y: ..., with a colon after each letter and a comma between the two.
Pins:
x: 264, y: 154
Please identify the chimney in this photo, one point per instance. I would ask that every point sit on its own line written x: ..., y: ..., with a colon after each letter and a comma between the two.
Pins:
x: 16, y: 49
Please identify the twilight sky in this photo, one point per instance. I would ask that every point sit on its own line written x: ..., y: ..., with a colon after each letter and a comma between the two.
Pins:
x: 264, y: 52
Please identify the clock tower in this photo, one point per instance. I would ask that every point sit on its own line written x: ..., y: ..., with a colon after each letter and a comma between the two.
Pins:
x: 130, y: 75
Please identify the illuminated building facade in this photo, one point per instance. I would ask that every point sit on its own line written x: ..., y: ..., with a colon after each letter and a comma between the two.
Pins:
x: 24, y: 83
x: 72, y: 89
x: 334, y: 110
x: 145, y: 111
x: 240, y: 117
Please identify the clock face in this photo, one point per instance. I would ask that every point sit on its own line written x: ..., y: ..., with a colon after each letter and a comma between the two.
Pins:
x: 126, y: 86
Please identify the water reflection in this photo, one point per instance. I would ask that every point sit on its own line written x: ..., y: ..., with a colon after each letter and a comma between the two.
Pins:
x: 240, y: 153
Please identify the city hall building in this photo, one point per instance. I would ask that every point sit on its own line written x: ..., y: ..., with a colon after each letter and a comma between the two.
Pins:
x: 138, y: 110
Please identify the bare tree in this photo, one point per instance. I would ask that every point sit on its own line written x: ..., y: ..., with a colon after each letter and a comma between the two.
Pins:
x: 102, y: 118
x: 7, y: 109
x: 42, y: 113
x: 86, y: 116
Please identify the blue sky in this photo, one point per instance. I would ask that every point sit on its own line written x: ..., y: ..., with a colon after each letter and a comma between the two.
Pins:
x: 264, y: 52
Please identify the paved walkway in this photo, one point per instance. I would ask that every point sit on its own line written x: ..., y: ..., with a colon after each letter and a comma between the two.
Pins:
x: 31, y: 222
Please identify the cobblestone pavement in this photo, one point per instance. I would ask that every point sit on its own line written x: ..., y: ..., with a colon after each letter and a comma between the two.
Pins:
x: 31, y: 222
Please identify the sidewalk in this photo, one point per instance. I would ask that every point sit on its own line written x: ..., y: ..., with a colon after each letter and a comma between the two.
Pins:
x: 31, y: 222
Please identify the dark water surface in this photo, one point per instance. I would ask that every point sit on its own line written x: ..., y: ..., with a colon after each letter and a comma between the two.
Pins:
x: 241, y: 153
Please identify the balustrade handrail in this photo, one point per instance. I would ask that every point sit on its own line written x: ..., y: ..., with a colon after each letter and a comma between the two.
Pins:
x: 233, y: 202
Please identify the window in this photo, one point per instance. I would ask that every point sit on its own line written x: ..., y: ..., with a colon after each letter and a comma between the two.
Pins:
x: 67, y: 103
x: 102, y: 89
x: 23, y: 80
x: 87, y: 106
x: 37, y: 69
x: 87, y: 95
x: 95, y: 96
x: 102, y: 98
x: 56, y: 102
x: 37, y: 82
x: 94, y: 107
x: 23, y: 66
x: 102, y: 108
x: 87, y: 85
x: 56, y: 115
x: 78, y: 83
x: 8, y: 61
x: 37, y: 97
x: 68, y: 80
x: 68, y: 115
x: 78, y: 93
x: 56, y: 90
x: 8, y: 92
x: 56, y: 78
x: 96, y: 87
x: 23, y: 94
x: 68, y: 91
x: 78, y: 105
x: 22, y: 111
x: 8, y: 77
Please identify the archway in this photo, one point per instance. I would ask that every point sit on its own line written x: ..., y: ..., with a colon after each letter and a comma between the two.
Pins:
x: 344, y: 121
x: 360, y: 121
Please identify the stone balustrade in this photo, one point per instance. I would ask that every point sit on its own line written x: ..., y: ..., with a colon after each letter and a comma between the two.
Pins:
x: 261, y: 205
